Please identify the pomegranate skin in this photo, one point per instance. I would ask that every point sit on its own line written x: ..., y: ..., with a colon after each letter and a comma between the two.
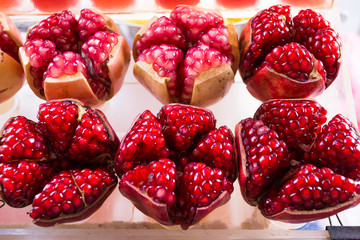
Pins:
x: 12, y: 74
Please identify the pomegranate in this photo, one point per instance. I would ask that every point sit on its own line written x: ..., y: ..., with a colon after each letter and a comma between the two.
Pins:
x: 84, y: 58
x: 283, y: 57
x: 12, y: 74
x: 293, y: 166
x: 177, y: 167
x: 190, y: 57
x: 60, y: 164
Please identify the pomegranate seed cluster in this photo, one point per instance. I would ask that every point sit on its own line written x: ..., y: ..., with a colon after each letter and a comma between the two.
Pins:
x: 86, y: 53
x: 61, y: 164
x: 177, y: 166
x: 293, y: 165
x: 284, y: 57
x: 184, y: 47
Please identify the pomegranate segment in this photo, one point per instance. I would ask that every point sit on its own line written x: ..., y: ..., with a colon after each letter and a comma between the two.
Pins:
x: 91, y: 42
x: 177, y: 167
x: 288, y: 58
x: 12, y: 74
x: 295, y: 167
x: 72, y: 196
x: 71, y: 143
x: 189, y: 57
x: 21, y: 181
x: 309, y: 190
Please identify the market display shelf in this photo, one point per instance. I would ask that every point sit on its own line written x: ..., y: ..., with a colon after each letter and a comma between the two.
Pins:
x: 119, y: 219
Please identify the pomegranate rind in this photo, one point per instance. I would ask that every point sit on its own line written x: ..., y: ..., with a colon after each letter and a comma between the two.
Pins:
x: 243, y: 174
x: 212, y: 85
x: 118, y: 64
x: 280, y: 86
x: 155, y: 84
x: 145, y: 204
x: 202, y: 212
x: 234, y: 42
x: 12, y: 76
x: 244, y: 45
x: 75, y: 86
x: 83, y: 214
x: 297, y: 216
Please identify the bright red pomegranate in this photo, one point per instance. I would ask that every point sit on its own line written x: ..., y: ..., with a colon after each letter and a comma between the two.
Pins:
x: 72, y: 195
x: 84, y: 58
x: 295, y: 167
x: 70, y: 143
x: 177, y: 167
x: 189, y: 57
x: 11, y: 72
x: 284, y: 57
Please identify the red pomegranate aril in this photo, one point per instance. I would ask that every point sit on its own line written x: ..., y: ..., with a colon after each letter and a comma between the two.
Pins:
x: 67, y: 63
x: 21, y: 181
x: 20, y: 139
x: 297, y: 122
x: 8, y: 45
x: 338, y: 193
x: 48, y: 209
x: 90, y: 23
x: 261, y: 162
x: 60, y: 28
x: 338, y: 147
x: 165, y: 61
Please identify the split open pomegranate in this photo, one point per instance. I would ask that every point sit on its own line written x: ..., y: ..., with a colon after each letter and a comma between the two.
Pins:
x: 285, y: 57
x: 84, y: 58
x: 189, y: 57
x: 60, y: 164
x: 11, y: 72
x: 177, y: 167
x: 293, y: 166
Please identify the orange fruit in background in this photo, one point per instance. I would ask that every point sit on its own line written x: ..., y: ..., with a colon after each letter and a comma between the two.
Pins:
x: 170, y: 4
x: 51, y: 6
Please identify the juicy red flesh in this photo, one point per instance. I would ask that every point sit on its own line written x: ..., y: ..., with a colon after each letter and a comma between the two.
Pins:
x: 40, y: 53
x: 182, y: 124
x: 291, y: 59
x: 325, y: 44
x: 310, y: 189
x: 144, y: 143
x: 67, y: 63
x: 157, y: 180
x: 21, y: 181
x: 338, y: 146
x: 59, y: 28
x: 187, y: 152
x: 297, y: 122
x: 266, y: 157
x: 86, y: 44
x: 58, y: 121
x: 165, y: 60
x: 201, y: 37
x: 170, y: 35
x: 20, y: 139
x: 70, y: 192
x: 198, y: 187
x: 89, y: 23
x: 8, y: 45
